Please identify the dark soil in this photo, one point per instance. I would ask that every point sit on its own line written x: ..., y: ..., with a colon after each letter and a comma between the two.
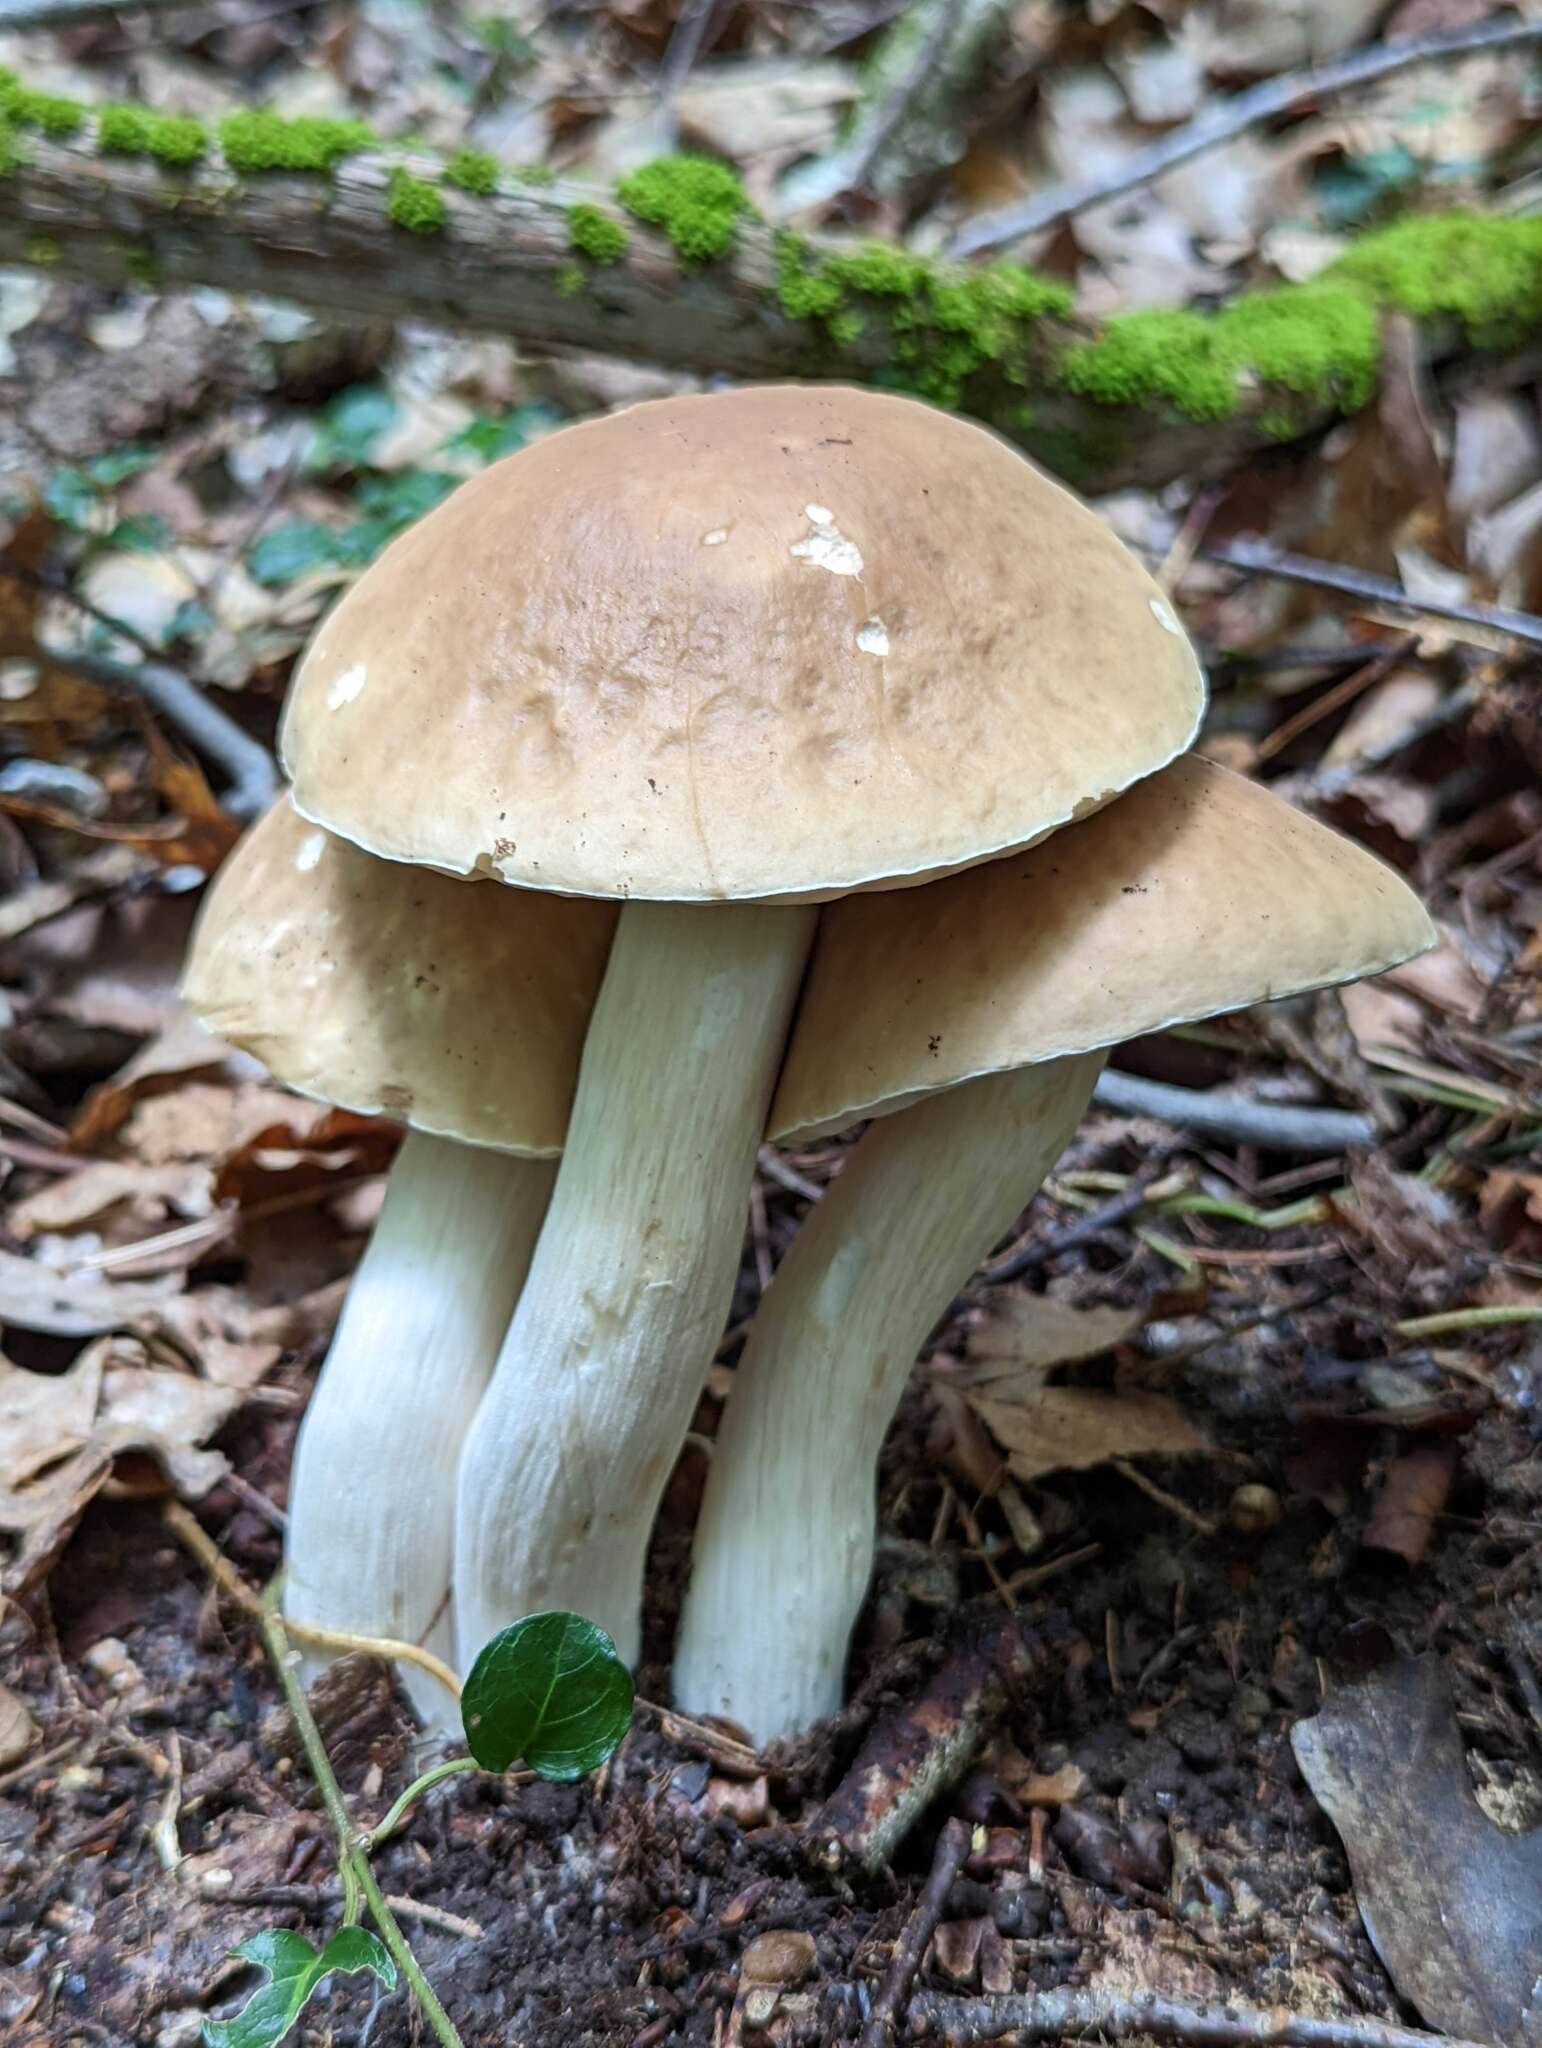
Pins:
x: 1173, y: 1662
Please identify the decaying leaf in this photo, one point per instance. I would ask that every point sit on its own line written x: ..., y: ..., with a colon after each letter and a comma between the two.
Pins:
x: 1452, y: 1903
x: 1044, y: 1428
x: 76, y: 1302
x: 60, y: 1435
x: 1033, y: 1332
x: 1413, y: 1492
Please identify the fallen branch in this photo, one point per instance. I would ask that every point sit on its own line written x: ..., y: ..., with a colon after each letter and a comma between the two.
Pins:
x: 910, y: 1949
x: 394, y: 235
x: 1292, y: 92
x: 35, y: 14
x: 1279, y: 1126
x: 916, y: 1751
x: 252, y: 773
x: 1046, y: 2015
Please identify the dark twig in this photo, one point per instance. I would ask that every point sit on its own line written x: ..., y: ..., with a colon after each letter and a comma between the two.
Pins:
x: 1046, y: 2015
x: 910, y: 1949
x: 1038, y: 1251
x: 1280, y: 1126
x: 252, y: 772
x: 1332, y: 781
x: 1257, y: 558
x: 1290, y: 93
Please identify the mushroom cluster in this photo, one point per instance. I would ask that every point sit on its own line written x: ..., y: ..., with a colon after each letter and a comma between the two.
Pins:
x: 716, y: 700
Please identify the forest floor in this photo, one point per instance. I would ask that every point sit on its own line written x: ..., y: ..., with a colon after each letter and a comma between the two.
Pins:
x: 1285, y: 1557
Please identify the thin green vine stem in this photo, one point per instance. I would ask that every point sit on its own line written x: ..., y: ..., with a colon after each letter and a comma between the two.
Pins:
x: 393, y: 1820
x: 353, y: 1864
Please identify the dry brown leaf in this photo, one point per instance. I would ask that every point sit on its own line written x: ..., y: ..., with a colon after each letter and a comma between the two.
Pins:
x: 235, y: 1341
x: 118, y: 1197
x: 1034, y: 1332
x: 61, y: 1434
x: 1452, y: 1903
x: 1413, y: 1493
x: 74, y: 1302
x: 205, y: 1119
x: 1071, y: 1429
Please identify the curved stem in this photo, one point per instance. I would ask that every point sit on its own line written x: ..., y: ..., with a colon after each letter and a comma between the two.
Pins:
x: 392, y: 1820
x: 632, y: 1279
x: 784, y: 1544
x: 371, y: 1512
x: 352, y: 1862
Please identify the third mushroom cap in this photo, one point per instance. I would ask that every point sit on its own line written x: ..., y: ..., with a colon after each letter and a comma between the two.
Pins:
x: 971, y: 1018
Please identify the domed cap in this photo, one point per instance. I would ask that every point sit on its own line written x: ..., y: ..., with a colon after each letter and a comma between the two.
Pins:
x: 1195, y: 894
x: 388, y: 988
x: 784, y: 641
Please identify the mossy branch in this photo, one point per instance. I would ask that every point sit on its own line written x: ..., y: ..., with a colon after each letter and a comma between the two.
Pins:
x: 675, y: 268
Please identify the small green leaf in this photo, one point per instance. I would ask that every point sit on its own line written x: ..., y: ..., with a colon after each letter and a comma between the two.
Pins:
x: 292, y: 550
x: 294, y: 1970
x: 71, y: 498
x: 550, y: 1691
x: 145, y: 533
x: 350, y: 426
x: 105, y: 471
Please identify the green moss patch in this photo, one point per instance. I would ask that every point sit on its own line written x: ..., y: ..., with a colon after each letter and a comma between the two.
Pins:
x: 49, y: 113
x: 412, y: 203
x: 1484, y: 273
x: 172, y: 139
x: 570, y: 281
x: 944, y: 322
x: 697, y: 201
x: 473, y: 170
x: 599, y: 236
x: 255, y: 141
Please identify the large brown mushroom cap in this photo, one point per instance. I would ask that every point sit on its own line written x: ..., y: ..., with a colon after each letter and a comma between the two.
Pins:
x: 784, y: 641
x: 392, y: 989
x: 1195, y: 894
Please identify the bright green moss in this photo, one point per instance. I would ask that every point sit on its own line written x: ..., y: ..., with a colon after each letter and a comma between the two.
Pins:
x: 696, y: 200
x: 945, y: 322
x: 473, y: 170
x: 135, y: 131
x: 50, y: 113
x: 599, y: 236
x: 1145, y: 358
x: 255, y: 140
x: 412, y: 203
x: 1485, y: 273
x: 10, y: 152
x: 570, y: 281
x: 43, y: 251
x: 140, y: 264
x: 533, y: 174
x: 1321, y: 340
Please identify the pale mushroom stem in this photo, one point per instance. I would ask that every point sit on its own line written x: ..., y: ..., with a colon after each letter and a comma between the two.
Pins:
x: 633, y: 1276
x: 372, y: 1496
x: 784, y: 1545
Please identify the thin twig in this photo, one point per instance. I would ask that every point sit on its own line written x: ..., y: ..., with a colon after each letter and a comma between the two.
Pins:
x: 251, y: 770
x: 310, y: 1898
x: 1280, y: 1126
x: 684, y: 47
x: 1258, y: 558
x: 1027, y: 1258
x: 191, y: 1533
x: 1290, y: 93
x: 1333, y: 781
x: 1343, y: 692
x: 952, y: 1848
x: 1046, y: 2015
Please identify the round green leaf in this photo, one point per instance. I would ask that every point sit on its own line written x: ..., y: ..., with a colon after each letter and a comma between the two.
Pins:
x: 549, y: 1691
